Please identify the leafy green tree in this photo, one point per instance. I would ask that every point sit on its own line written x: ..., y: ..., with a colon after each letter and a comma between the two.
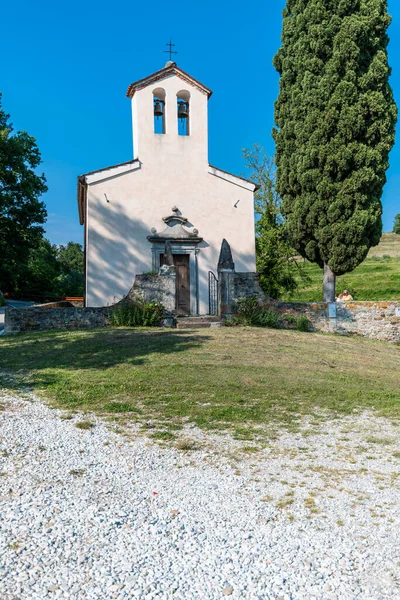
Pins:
x: 276, y: 261
x: 21, y: 211
x: 335, y: 117
x: 70, y: 284
x: 52, y: 271
x: 396, y: 224
x: 70, y: 257
x: 71, y: 263
x: 38, y: 278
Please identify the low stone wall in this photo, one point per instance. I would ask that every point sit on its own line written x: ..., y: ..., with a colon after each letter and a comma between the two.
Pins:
x: 41, y: 319
x: 374, y: 320
x: 153, y: 287
x: 243, y: 285
x: 156, y: 287
x: 233, y: 286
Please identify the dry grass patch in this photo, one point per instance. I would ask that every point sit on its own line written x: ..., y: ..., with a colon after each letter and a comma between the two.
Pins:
x: 186, y: 444
x: 383, y: 441
x: 163, y: 436
x: 77, y: 472
x: 84, y: 425
x: 286, y: 500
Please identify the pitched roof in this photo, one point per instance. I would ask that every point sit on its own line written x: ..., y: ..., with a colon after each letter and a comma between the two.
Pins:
x: 83, y: 184
x: 128, y: 162
x: 170, y: 69
x: 256, y: 185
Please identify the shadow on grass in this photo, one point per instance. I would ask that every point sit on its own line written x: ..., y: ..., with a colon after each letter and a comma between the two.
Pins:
x: 97, y: 350
x: 233, y: 378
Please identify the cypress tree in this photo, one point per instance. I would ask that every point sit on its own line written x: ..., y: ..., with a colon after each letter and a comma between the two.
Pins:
x: 335, y: 117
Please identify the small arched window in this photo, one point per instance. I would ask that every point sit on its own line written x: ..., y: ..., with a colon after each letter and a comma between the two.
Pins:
x: 183, y: 112
x: 159, y: 110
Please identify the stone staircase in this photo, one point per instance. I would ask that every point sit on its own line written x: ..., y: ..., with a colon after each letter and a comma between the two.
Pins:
x: 198, y: 322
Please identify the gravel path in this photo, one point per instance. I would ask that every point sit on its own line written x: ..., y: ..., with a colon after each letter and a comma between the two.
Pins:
x: 92, y: 515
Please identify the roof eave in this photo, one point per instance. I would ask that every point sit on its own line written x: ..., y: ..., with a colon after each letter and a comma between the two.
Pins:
x: 82, y: 195
x: 162, y: 74
x: 126, y: 163
x: 83, y: 182
x: 256, y: 185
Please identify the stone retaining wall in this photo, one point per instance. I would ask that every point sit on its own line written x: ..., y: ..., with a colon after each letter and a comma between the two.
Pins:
x: 42, y: 319
x: 374, y: 320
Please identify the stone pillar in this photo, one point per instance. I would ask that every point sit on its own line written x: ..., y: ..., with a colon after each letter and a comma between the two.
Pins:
x: 226, y: 269
x: 331, y: 313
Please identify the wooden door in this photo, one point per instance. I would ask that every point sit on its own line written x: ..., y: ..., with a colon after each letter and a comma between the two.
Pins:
x: 181, y: 262
x: 182, y: 284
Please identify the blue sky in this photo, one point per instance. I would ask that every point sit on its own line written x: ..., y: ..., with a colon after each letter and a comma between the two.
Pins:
x: 66, y: 66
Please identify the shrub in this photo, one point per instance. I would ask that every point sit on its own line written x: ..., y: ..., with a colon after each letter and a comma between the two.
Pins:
x: 251, y: 312
x: 248, y: 308
x: 258, y: 315
x: 270, y: 318
x: 289, y: 318
x: 303, y: 324
x: 2, y: 300
x: 137, y: 314
x: 234, y: 321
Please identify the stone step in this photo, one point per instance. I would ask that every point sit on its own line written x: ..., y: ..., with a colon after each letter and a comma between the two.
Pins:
x: 198, y: 322
x: 199, y: 319
x: 205, y: 318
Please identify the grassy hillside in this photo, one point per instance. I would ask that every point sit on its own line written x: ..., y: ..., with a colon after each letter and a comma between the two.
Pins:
x: 234, y: 379
x: 377, y: 278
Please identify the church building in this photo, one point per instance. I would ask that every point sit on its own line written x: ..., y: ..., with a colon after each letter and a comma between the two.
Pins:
x: 168, y: 193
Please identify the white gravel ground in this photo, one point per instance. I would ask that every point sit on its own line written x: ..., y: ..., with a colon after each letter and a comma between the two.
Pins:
x: 92, y: 515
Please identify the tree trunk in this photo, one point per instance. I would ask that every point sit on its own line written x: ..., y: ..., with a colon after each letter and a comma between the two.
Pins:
x: 329, y: 284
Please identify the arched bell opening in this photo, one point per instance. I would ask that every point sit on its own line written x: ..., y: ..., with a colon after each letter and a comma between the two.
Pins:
x: 159, y: 110
x: 183, y: 112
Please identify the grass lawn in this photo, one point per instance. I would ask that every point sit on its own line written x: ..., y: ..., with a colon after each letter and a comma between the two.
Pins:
x: 228, y: 378
x: 377, y: 278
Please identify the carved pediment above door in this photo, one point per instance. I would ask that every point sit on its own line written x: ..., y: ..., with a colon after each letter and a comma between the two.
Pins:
x: 176, y: 230
x: 183, y: 241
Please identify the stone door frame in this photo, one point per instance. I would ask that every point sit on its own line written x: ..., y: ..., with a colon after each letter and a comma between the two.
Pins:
x: 190, y: 248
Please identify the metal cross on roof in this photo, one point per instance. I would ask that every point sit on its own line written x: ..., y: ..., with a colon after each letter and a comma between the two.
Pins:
x: 170, y: 51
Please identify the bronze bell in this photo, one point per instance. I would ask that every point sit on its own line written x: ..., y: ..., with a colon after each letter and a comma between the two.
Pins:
x: 183, y: 110
x: 158, y: 108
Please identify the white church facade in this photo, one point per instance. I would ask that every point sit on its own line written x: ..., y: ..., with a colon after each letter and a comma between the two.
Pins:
x: 168, y: 192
